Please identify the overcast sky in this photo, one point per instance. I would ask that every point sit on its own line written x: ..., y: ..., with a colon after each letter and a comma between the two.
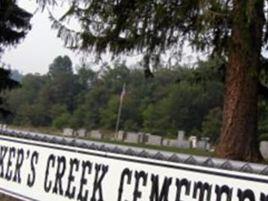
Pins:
x: 39, y: 48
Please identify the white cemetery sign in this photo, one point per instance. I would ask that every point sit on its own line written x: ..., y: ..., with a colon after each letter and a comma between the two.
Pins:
x: 35, y: 170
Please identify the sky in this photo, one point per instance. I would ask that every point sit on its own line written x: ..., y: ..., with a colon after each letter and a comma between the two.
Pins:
x: 41, y: 46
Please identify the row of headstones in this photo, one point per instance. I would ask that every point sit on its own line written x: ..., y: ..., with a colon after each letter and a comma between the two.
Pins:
x: 144, y: 138
x: 180, y: 142
x: 95, y: 134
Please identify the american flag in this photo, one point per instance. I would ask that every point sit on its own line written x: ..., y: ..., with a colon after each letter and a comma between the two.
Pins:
x: 123, y: 92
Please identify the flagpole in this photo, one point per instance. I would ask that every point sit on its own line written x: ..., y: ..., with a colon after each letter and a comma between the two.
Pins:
x: 120, y: 109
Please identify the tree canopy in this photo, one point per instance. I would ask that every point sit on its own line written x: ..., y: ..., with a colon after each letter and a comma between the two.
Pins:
x: 233, y: 29
x: 150, y: 27
x: 14, y: 23
x: 175, y: 99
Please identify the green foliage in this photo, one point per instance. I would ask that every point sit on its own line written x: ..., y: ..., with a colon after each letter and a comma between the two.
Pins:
x: 175, y: 99
x: 60, y: 66
x: 236, y: 30
x: 108, y: 115
x: 14, y: 23
x: 6, y: 83
x: 150, y: 27
x: 212, y: 124
x: 62, y: 121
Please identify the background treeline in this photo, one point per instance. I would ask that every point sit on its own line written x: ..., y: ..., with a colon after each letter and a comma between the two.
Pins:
x: 176, y: 98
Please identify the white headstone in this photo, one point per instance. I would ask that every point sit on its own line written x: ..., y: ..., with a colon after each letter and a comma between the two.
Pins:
x: 264, y: 149
x: 208, y: 147
x: 82, y: 132
x: 143, y: 137
x: 146, y: 137
x: 96, y: 134
x: 155, y: 140
x: 132, y: 137
x: 193, y: 141
x: 120, y: 135
x: 68, y: 132
x: 201, y: 144
x: 181, y: 142
x: 181, y: 135
x: 166, y: 142
x: 4, y: 127
x: 184, y: 144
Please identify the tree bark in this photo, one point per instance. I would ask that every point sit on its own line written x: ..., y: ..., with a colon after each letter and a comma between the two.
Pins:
x: 238, y: 140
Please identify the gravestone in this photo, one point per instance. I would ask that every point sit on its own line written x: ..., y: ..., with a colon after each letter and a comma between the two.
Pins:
x: 4, y: 127
x: 143, y: 137
x: 81, y: 132
x: 120, y: 135
x: 181, y: 142
x: 68, y: 132
x: 146, y: 137
x: 154, y: 140
x: 132, y: 137
x: 184, y: 144
x: 96, y: 134
x: 264, y: 149
x: 166, y: 142
x: 203, y: 143
x: 193, y: 141
x: 208, y: 147
x: 181, y: 135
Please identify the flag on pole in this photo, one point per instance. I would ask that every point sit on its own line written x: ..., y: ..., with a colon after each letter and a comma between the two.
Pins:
x: 123, y: 92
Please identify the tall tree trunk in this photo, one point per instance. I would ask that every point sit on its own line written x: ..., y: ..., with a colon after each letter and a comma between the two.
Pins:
x: 238, y: 138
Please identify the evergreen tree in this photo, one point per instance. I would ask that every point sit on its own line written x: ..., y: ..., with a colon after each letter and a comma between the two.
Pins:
x: 234, y: 29
x: 14, y: 25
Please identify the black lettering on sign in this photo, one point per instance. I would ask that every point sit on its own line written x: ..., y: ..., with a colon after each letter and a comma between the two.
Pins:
x: 163, y: 195
x: 9, y: 172
x: 264, y: 197
x: 20, y: 159
x: 32, y: 176
x: 223, y: 190
x: 61, y: 165
x: 202, y: 188
x: 74, y: 165
x: 50, y: 163
x: 126, y: 173
x: 247, y: 195
x: 139, y: 175
x: 3, y: 153
x: 97, y: 187
x: 86, y: 165
x: 182, y: 183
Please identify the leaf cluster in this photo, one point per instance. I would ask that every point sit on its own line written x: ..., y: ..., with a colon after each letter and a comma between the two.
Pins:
x: 178, y: 98
x: 14, y: 23
x: 146, y: 26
